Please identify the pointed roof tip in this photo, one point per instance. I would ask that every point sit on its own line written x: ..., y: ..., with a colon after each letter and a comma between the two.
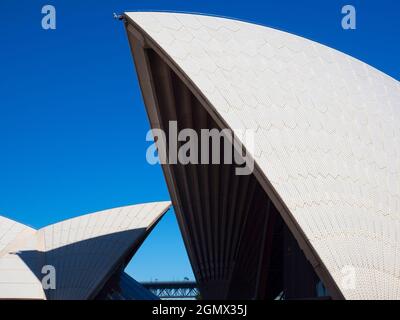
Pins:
x: 166, y: 203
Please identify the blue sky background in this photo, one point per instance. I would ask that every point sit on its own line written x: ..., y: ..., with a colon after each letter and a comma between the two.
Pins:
x: 72, y: 120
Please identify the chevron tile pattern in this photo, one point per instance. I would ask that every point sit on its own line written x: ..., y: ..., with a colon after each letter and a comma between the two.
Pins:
x: 327, y: 134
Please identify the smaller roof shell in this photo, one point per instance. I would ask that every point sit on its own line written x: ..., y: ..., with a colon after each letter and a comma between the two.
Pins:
x: 84, y: 251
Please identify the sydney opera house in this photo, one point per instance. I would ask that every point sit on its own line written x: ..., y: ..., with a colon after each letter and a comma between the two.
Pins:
x: 319, y: 215
x: 88, y: 253
x: 317, y: 218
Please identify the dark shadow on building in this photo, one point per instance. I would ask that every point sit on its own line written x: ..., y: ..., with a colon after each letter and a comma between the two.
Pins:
x: 92, y: 266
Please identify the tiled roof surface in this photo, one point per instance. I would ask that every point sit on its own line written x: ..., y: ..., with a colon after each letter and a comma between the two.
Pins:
x: 83, y: 250
x: 327, y: 134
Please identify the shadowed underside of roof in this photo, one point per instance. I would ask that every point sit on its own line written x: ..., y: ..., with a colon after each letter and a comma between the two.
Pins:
x: 85, y: 251
x: 327, y: 143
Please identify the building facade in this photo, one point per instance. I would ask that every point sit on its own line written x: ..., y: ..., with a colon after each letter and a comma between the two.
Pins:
x: 88, y: 255
x: 319, y: 214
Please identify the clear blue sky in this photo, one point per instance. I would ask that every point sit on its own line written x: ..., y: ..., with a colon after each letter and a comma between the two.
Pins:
x: 72, y: 121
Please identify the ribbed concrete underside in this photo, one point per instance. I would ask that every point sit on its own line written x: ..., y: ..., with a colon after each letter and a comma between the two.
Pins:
x: 217, y: 205
x: 228, y: 220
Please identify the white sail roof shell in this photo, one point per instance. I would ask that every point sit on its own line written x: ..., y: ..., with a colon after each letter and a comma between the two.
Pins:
x: 16, y: 279
x: 327, y: 135
x: 83, y: 250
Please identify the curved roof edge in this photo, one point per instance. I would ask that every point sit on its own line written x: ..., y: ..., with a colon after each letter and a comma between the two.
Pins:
x: 319, y: 140
x: 84, y: 251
